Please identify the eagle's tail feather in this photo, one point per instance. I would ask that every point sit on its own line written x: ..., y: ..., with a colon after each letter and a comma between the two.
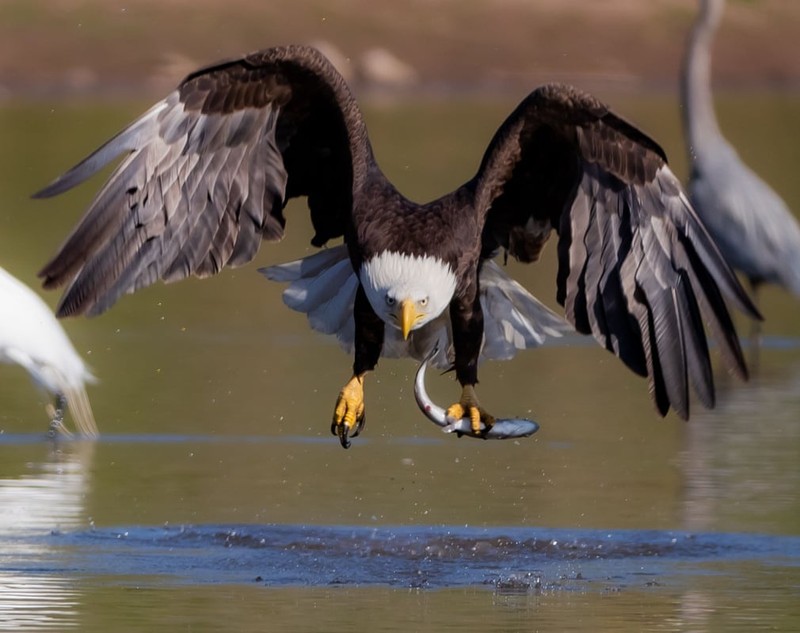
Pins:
x: 513, y: 319
x: 323, y: 286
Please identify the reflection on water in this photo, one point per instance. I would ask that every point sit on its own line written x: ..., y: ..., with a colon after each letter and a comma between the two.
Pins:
x: 49, y: 498
x: 735, y: 456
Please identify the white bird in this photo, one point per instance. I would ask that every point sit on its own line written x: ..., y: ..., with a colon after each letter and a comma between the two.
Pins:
x: 751, y: 224
x: 31, y: 336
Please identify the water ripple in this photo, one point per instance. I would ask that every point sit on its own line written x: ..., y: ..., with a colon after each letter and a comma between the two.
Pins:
x: 435, y: 557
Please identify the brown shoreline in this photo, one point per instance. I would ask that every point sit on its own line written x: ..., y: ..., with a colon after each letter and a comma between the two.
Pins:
x: 91, y: 47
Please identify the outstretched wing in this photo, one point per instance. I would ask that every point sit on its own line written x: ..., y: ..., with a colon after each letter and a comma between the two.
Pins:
x: 636, y: 267
x: 208, y: 172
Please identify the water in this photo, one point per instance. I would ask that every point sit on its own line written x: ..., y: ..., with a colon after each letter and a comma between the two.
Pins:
x: 217, y: 499
x: 61, y: 566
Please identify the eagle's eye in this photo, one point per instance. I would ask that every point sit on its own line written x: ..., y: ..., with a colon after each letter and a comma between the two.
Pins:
x: 423, y: 302
x: 389, y: 301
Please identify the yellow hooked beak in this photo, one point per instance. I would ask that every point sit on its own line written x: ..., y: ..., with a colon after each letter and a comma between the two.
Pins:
x: 409, y: 315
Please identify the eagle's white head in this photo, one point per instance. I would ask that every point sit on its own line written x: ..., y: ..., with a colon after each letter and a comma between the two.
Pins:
x: 407, y: 291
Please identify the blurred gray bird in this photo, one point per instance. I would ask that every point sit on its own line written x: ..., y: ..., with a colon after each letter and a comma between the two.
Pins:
x: 752, y: 225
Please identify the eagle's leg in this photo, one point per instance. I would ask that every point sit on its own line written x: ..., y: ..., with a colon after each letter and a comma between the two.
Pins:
x: 349, y: 415
x: 466, y: 318
x: 469, y: 406
x: 755, y: 330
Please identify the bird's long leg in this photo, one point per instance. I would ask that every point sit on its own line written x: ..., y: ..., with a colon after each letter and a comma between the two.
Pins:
x: 56, y: 414
x: 755, y: 328
x: 349, y: 413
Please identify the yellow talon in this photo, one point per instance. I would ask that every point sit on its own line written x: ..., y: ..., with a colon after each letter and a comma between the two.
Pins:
x: 475, y: 419
x: 468, y: 406
x: 456, y: 411
x: 348, y: 415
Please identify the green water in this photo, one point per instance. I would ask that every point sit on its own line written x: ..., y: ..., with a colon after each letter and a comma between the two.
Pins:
x: 223, y: 358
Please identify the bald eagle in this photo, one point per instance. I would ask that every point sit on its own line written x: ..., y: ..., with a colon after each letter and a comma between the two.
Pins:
x: 210, y: 168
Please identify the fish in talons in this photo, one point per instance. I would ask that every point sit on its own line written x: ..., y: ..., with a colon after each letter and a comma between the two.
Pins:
x: 502, y: 429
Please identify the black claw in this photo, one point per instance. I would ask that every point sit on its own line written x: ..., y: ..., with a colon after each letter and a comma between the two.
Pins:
x: 483, y: 433
x: 343, y: 431
x: 360, y: 422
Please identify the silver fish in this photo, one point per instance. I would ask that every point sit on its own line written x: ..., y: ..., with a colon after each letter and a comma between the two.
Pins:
x: 503, y: 429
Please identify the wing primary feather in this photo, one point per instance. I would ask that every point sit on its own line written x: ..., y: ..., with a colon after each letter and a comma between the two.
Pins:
x: 698, y: 361
x: 576, y: 261
x: 667, y: 332
x: 140, y: 273
x: 98, y: 225
x: 128, y: 140
x: 713, y: 260
x: 716, y: 315
x: 621, y: 332
x: 657, y: 386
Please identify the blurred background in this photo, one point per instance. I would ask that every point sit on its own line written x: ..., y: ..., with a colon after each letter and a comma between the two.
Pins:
x: 145, y: 47
x: 214, y: 400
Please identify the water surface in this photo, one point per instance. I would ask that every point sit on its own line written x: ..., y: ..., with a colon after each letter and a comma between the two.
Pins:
x: 217, y: 499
